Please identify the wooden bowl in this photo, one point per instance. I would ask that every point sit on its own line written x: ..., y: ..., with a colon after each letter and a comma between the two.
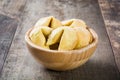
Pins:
x: 61, y: 60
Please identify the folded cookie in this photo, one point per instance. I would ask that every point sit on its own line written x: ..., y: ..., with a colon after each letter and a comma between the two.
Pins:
x: 48, y: 21
x: 66, y: 38
x: 74, y: 23
x: 71, y: 34
x: 84, y: 37
x: 39, y: 34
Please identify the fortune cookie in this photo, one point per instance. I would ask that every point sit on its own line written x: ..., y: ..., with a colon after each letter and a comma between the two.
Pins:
x: 53, y: 34
x: 84, y: 37
x: 74, y: 23
x: 65, y: 36
x: 48, y: 21
x: 39, y: 34
x: 68, y: 40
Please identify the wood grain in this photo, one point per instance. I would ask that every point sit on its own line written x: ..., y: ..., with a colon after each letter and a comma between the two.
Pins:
x: 111, y: 14
x: 20, y: 65
x: 10, y: 11
x: 7, y: 30
x: 12, y: 8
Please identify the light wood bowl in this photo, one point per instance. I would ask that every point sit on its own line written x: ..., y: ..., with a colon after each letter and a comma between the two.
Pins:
x: 61, y: 60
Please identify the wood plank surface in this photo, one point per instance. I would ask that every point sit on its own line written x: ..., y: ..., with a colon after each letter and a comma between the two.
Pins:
x: 7, y: 30
x: 20, y: 65
x: 12, y: 8
x: 111, y: 14
x: 10, y: 11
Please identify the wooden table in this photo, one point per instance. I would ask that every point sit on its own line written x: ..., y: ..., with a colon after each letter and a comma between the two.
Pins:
x: 17, y: 16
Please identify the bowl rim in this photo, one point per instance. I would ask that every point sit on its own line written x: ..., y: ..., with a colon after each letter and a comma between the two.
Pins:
x: 95, y: 41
